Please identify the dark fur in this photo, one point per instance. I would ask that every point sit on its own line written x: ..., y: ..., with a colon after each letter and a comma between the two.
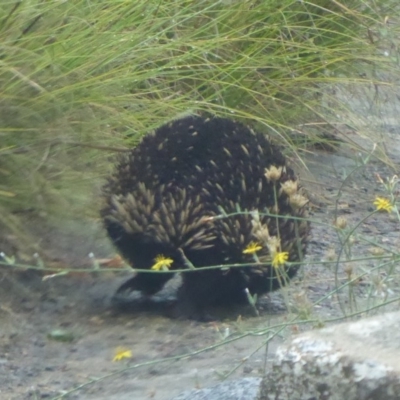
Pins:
x: 198, y: 165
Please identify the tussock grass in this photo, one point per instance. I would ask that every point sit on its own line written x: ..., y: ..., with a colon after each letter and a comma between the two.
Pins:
x: 80, y: 78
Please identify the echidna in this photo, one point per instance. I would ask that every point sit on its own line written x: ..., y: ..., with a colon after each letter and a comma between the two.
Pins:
x: 202, y: 192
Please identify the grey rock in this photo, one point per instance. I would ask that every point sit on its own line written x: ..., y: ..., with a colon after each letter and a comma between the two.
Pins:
x: 353, y: 361
x: 241, y: 389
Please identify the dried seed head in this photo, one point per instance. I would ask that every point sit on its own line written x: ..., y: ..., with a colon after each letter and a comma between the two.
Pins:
x: 330, y: 255
x: 297, y: 201
x: 376, y: 251
x: 341, y: 222
x: 262, y: 233
x: 352, y: 240
x: 274, y: 244
x: 348, y: 269
x: 273, y: 173
x: 289, y: 187
x: 275, y: 209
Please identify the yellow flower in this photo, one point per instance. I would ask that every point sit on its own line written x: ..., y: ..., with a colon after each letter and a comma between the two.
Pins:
x: 280, y: 258
x: 252, y: 248
x: 122, y: 353
x: 162, y: 263
x: 383, y: 204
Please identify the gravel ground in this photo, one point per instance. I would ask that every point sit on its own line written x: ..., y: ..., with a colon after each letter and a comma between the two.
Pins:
x: 33, y: 365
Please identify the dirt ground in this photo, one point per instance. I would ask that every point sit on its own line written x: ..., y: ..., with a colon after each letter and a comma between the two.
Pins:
x: 36, y: 364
